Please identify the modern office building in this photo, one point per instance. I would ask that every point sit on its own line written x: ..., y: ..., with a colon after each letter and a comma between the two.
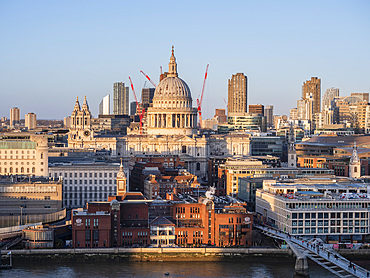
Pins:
x: 237, y: 94
x: 220, y: 115
x: 36, y: 196
x: 269, y: 114
x: 14, y: 116
x: 30, y: 121
x: 104, y: 106
x: 312, y: 89
x: 230, y: 172
x: 133, y: 107
x: 328, y: 98
x: 257, y: 109
x: 87, y: 182
x: 246, y: 121
x: 332, y: 209
x: 352, y: 111
x: 147, y: 95
x: 120, y: 99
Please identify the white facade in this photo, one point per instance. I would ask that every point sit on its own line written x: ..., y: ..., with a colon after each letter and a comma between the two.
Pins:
x: 24, y: 157
x: 104, y: 106
x: 84, y: 183
x: 330, y: 209
x: 172, y: 112
x: 354, y: 164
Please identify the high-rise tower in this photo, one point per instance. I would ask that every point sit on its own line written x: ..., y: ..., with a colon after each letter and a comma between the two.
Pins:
x: 104, y: 106
x: 269, y: 113
x: 14, y: 116
x: 120, y: 99
x: 147, y: 95
x: 30, y: 121
x: 312, y: 89
x: 237, y: 94
x: 328, y: 98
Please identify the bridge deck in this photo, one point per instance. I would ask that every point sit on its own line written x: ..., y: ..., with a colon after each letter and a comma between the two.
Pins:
x: 327, y: 258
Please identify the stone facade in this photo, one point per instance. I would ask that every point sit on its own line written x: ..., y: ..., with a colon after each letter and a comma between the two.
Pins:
x: 172, y: 112
x: 24, y: 155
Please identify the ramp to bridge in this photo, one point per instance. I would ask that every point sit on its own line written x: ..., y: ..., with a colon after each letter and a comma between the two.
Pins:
x: 327, y: 258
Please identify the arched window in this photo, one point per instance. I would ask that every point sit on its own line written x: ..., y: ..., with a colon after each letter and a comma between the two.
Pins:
x: 355, y: 169
x: 33, y: 170
x: 11, y: 170
x: 198, y: 166
x: 22, y: 170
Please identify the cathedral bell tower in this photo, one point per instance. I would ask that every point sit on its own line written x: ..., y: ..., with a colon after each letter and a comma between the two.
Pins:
x: 80, y: 129
x: 121, y: 181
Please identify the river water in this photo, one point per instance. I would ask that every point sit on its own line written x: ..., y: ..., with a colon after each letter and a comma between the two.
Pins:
x: 249, y: 267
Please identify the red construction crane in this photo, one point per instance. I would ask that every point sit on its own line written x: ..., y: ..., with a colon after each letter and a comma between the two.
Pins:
x: 149, y: 79
x: 142, y: 112
x: 199, y: 102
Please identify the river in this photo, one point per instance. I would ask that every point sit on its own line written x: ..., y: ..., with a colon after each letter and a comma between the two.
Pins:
x: 249, y: 267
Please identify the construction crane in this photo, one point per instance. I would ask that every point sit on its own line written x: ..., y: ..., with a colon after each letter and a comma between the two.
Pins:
x: 199, y: 102
x: 149, y: 79
x: 140, y: 113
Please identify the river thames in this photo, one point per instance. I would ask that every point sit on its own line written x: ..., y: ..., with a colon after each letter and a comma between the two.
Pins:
x: 248, y: 267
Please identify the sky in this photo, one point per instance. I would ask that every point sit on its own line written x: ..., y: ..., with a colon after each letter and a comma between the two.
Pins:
x: 54, y: 51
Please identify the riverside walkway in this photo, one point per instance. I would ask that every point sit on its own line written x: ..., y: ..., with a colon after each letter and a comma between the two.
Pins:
x: 324, y: 257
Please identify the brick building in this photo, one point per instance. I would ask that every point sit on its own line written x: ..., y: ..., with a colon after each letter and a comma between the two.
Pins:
x: 155, y: 186
x: 131, y: 220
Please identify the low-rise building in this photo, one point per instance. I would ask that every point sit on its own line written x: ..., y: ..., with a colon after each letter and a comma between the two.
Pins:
x: 23, y: 154
x: 87, y: 182
x: 132, y: 220
x: 335, y: 210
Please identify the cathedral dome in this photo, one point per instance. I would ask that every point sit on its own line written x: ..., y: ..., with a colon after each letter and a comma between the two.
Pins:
x: 172, y: 88
x: 171, y: 112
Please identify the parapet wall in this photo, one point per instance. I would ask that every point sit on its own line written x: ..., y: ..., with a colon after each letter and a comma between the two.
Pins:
x: 149, y: 254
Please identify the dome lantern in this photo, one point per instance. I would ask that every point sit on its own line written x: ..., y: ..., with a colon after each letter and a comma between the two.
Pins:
x: 172, y: 66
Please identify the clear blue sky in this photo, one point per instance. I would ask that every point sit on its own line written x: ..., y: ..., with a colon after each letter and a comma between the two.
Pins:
x: 53, y: 51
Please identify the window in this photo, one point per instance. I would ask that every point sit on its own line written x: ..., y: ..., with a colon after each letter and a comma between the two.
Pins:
x: 87, y: 234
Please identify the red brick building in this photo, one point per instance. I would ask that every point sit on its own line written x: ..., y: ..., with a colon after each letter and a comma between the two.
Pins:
x: 125, y: 221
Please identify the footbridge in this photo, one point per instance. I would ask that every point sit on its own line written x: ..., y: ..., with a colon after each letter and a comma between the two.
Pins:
x: 327, y: 258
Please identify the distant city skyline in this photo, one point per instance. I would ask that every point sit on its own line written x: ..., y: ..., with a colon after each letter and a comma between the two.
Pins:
x: 53, y: 52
